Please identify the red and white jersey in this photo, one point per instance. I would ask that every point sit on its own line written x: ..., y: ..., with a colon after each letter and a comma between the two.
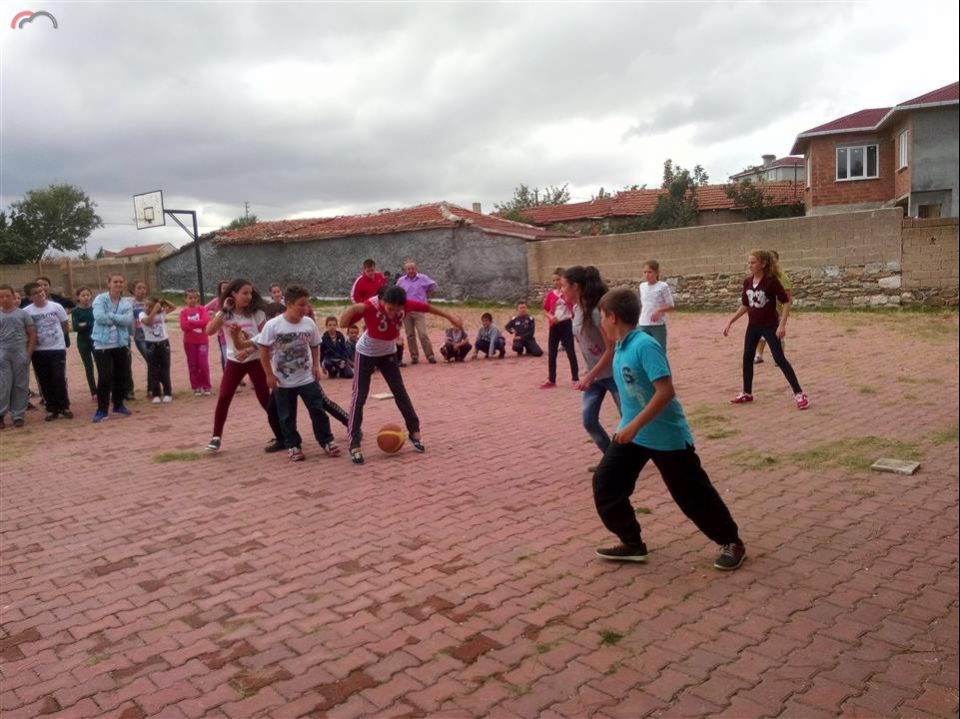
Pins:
x: 382, y: 331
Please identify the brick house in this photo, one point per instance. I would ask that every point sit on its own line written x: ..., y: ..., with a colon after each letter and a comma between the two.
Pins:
x: 904, y: 156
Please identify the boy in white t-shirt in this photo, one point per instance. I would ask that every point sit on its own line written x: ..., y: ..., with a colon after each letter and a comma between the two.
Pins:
x: 50, y: 356
x: 655, y: 301
x: 290, y: 354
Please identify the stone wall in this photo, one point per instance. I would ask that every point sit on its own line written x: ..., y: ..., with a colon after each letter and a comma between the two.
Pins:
x: 465, y: 263
x: 840, y: 260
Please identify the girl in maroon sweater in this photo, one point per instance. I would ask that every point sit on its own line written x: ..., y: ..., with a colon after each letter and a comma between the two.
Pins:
x: 761, y: 291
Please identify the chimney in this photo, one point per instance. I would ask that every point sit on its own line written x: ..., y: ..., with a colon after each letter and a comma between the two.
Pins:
x: 477, y: 208
x: 768, y: 160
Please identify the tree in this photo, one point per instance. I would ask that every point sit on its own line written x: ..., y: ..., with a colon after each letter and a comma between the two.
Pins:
x: 244, y: 221
x: 677, y: 207
x: 602, y: 194
x: 524, y: 197
x: 101, y: 253
x: 753, y: 201
x: 17, y: 246
x: 60, y: 217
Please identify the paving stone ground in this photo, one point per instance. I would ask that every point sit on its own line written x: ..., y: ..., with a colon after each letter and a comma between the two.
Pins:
x: 462, y: 583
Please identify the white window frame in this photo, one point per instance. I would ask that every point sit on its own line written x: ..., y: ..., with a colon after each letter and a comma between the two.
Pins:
x: 808, y: 166
x: 903, y: 151
x: 850, y: 149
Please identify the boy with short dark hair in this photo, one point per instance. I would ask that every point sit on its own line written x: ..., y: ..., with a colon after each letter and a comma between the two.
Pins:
x: 524, y: 327
x: 334, y: 357
x: 50, y: 357
x: 353, y: 336
x: 290, y: 354
x: 652, y: 427
x: 18, y: 337
x: 489, y: 339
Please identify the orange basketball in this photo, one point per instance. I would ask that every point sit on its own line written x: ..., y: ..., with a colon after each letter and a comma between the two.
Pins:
x: 391, y: 437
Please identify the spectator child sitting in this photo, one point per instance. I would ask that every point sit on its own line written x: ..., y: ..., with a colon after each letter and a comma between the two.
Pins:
x: 333, y: 352
x: 456, y: 345
x: 523, y: 328
x: 353, y: 336
x: 489, y: 339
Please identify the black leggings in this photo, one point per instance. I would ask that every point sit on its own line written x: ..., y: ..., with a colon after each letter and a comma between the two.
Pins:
x: 363, y: 369
x: 561, y: 332
x: 750, y: 341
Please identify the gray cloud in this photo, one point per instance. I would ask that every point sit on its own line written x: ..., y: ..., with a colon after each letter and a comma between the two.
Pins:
x: 309, y: 107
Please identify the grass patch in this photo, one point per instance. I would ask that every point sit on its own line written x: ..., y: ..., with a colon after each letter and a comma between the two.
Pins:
x: 544, y: 648
x: 610, y: 638
x: 866, y: 493
x: 178, y: 457
x: 854, y: 454
x: 947, y: 436
x: 518, y: 689
x: 642, y: 510
x: 712, y: 423
x: 865, y: 389
x: 752, y: 459
x: 925, y: 325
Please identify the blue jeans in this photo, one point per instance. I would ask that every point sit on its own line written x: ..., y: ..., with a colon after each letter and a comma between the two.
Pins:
x: 592, y: 399
x: 312, y: 397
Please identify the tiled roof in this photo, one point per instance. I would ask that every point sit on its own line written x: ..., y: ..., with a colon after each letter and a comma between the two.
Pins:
x: 408, y: 219
x: 135, y: 251
x: 945, y: 94
x: 633, y: 203
x: 872, y: 120
x: 860, y: 120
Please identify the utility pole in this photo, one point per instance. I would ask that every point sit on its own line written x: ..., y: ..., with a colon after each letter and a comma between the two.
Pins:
x: 246, y: 210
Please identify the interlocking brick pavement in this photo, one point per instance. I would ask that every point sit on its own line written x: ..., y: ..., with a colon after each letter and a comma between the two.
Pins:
x: 462, y: 582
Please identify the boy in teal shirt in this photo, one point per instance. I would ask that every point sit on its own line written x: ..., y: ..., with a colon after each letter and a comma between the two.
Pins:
x: 652, y: 427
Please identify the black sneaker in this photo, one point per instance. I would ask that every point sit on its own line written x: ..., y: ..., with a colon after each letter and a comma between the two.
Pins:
x: 18, y: 421
x: 51, y: 416
x: 275, y: 445
x: 624, y: 553
x: 213, y: 445
x: 67, y: 414
x: 731, y: 557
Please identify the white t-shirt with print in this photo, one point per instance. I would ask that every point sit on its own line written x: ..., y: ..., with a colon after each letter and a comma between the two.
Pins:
x: 248, y: 324
x: 291, y: 358
x: 156, y: 332
x: 652, y: 298
x: 49, y: 321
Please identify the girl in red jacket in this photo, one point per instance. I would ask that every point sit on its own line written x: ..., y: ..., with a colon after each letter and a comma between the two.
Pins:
x: 193, y: 321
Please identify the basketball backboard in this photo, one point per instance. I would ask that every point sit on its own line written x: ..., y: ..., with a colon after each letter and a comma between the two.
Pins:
x: 148, y: 208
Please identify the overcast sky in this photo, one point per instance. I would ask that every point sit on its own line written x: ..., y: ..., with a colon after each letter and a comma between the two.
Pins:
x: 315, y: 109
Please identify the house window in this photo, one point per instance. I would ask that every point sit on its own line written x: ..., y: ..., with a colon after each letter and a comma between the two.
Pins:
x: 926, y: 212
x: 808, y: 168
x: 857, y: 162
x: 902, y: 144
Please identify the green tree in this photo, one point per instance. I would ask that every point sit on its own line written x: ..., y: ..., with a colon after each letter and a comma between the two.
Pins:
x: 244, y: 221
x: 524, y: 197
x: 17, y: 245
x: 60, y: 217
x: 754, y: 203
x: 101, y: 253
x: 677, y: 207
x: 602, y: 194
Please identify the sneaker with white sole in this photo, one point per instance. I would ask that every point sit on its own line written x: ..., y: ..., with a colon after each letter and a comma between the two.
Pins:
x: 295, y: 454
x: 155, y: 400
x: 742, y: 398
x: 167, y: 399
x: 757, y: 359
x: 624, y: 553
x: 213, y: 445
x: 802, y: 400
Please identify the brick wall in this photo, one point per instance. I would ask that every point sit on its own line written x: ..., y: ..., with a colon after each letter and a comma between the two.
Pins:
x: 930, y: 259
x: 834, y: 260
x: 825, y: 190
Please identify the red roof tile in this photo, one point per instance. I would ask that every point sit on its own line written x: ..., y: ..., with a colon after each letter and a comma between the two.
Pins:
x: 409, y: 219
x: 632, y: 203
x: 860, y: 120
x: 871, y: 120
x: 947, y: 93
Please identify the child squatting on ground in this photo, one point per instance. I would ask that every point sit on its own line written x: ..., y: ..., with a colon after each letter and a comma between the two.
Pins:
x: 523, y: 328
x: 653, y: 427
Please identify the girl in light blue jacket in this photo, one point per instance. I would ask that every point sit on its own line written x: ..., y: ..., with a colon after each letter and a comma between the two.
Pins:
x: 112, y: 324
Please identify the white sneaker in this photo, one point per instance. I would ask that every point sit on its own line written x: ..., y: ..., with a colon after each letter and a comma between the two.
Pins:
x: 156, y: 400
x: 167, y: 399
x: 197, y: 393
